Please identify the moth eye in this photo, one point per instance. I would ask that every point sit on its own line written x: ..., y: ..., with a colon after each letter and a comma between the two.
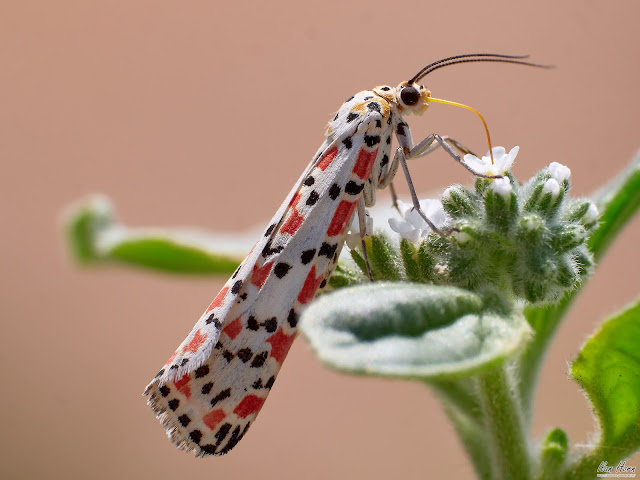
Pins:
x: 409, y: 96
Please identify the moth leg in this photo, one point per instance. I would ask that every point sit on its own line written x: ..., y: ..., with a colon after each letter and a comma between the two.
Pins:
x: 362, y: 221
x: 394, y: 197
x: 427, y: 146
x: 414, y: 197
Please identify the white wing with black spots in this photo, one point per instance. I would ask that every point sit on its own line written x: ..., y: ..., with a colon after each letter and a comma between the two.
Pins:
x: 213, y: 387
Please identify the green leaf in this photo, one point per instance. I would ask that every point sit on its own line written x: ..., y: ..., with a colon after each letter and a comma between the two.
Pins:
x: 618, y: 203
x: 412, y: 331
x: 82, y: 224
x: 167, y: 254
x: 608, y: 369
x: 383, y: 257
x: 95, y: 237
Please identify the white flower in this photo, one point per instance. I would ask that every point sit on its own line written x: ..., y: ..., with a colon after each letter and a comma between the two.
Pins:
x: 591, y: 215
x: 413, y: 227
x: 502, y: 186
x: 501, y: 161
x: 551, y: 186
x: 559, y: 171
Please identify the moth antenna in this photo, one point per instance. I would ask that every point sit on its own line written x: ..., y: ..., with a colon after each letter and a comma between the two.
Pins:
x: 474, y: 57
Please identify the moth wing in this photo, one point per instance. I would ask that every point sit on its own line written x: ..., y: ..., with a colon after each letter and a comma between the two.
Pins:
x: 218, y: 410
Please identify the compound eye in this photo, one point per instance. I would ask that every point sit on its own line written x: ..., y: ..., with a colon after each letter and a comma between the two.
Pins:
x: 409, y: 95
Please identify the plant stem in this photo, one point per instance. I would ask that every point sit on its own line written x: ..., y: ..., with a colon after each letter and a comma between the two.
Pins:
x: 504, y: 424
x: 472, y: 437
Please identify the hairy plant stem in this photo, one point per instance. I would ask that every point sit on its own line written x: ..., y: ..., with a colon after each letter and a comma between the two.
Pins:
x: 505, y: 426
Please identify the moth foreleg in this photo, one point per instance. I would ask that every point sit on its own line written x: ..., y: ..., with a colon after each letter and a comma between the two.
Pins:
x: 362, y: 221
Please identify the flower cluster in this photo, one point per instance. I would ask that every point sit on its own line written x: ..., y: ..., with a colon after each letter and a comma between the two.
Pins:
x: 529, y: 239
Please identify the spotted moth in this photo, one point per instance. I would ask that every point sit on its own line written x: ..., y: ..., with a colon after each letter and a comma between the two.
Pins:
x: 213, y: 386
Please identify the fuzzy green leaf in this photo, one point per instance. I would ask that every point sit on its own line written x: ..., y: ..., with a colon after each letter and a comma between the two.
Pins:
x: 412, y: 331
x: 167, y: 254
x: 608, y: 369
x: 95, y: 237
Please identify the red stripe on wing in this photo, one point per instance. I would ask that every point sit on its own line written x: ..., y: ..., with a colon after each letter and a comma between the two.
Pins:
x: 234, y: 328
x: 293, y: 222
x: 364, y: 163
x: 249, y: 404
x: 280, y: 344
x: 213, y: 418
x: 327, y: 159
x: 195, y: 343
x: 341, y: 218
x: 310, y: 286
x: 260, y: 274
x: 218, y: 300
x: 183, y: 386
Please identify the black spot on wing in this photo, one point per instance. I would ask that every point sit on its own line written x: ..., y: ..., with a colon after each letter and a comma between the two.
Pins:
x: 184, y: 420
x: 307, y: 256
x: 269, y: 229
x: 257, y: 385
x: 328, y: 250
x: 371, y: 140
x: 245, y: 354
x: 313, y: 198
x: 259, y: 360
x: 206, y: 388
x: 202, y: 371
x: 252, y: 323
x: 222, y: 432
x: 353, y: 188
x: 195, y: 436
x: 221, y: 396
x: 281, y: 269
x: 271, y: 324
x: 214, y: 320
x: 236, y: 436
x: 292, y: 318
x: 268, y: 250
x: 236, y: 287
x: 334, y: 191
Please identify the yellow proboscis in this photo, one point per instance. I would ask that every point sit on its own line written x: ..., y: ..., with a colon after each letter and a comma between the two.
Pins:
x: 456, y: 104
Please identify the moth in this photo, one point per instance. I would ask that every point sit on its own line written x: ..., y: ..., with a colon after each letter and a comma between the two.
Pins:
x: 213, y: 386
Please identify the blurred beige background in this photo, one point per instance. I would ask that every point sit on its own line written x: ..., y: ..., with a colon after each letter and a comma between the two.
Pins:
x: 203, y: 114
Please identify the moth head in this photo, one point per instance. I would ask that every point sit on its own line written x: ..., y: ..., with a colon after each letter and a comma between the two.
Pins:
x: 412, y: 98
